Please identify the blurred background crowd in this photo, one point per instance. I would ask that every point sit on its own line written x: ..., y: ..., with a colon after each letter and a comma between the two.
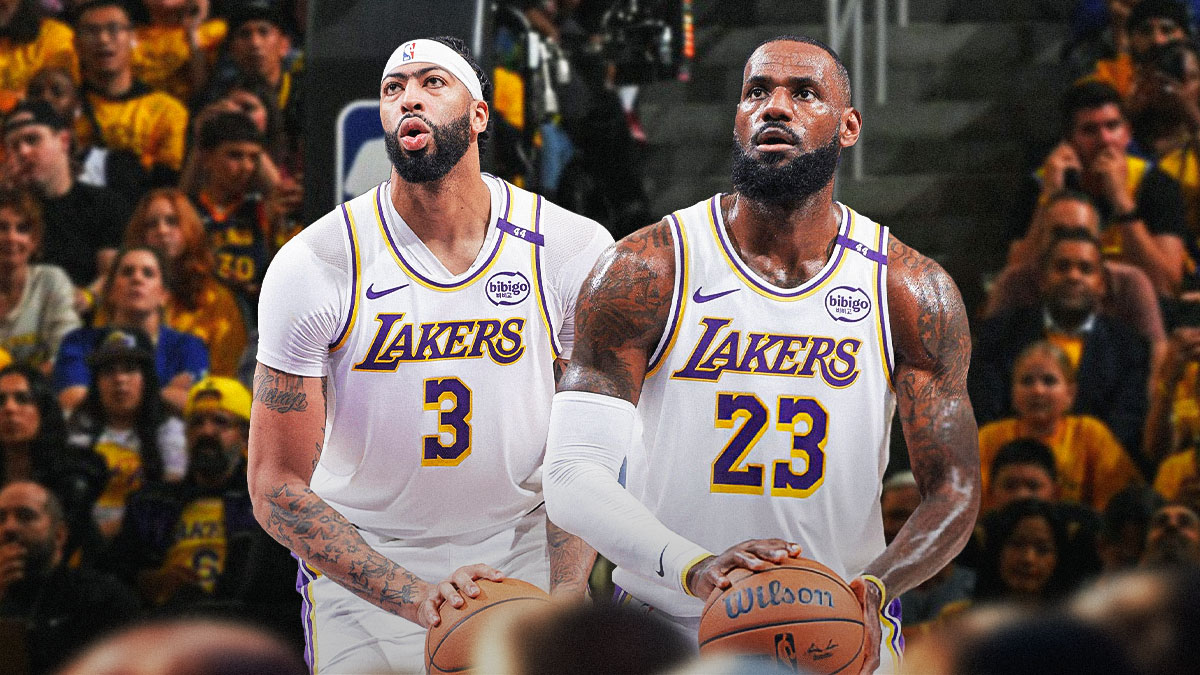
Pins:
x: 152, y: 162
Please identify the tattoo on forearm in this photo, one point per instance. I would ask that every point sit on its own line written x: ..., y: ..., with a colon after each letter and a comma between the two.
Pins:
x: 322, y: 537
x: 280, y: 391
x: 571, y: 560
x: 933, y: 351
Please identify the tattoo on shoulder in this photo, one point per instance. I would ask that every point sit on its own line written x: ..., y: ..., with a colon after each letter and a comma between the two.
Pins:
x: 931, y: 302
x: 623, y: 306
x: 280, y: 391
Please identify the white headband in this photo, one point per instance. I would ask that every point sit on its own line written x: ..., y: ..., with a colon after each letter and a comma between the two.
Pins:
x: 431, y: 51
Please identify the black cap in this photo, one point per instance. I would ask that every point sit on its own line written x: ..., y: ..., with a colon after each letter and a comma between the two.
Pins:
x: 121, y: 345
x: 33, y: 112
x: 258, y: 10
x: 1159, y: 9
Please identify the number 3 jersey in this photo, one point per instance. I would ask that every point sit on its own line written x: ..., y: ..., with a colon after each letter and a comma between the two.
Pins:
x: 766, y: 411
x: 438, y: 385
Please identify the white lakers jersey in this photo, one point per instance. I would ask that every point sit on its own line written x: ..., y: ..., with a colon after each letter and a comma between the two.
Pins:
x: 439, y: 389
x: 766, y: 411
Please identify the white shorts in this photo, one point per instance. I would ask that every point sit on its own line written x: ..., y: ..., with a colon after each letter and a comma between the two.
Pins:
x: 891, y: 644
x: 346, y: 634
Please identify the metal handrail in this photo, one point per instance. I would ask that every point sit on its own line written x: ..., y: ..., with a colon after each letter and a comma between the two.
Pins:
x: 851, y: 21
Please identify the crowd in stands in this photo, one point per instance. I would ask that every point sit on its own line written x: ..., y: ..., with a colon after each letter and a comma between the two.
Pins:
x: 1084, y: 380
x: 151, y: 164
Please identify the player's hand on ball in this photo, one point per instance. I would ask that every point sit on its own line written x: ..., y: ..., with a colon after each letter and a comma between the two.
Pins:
x: 709, y: 574
x: 868, y: 596
x: 451, y: 590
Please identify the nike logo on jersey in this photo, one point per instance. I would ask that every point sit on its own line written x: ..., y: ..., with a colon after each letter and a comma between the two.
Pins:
x: 660, y: 571
x: 372, y: 294
x: 699, y: 297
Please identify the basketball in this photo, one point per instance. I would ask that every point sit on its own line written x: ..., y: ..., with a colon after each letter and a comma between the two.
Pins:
x: 449, y: 646
x: 800, y: 612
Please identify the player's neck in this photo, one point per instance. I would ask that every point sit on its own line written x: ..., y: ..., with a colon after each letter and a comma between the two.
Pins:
x: 786, y: 244
x: 450, y: 216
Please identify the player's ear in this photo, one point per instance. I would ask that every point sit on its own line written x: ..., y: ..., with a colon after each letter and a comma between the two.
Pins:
x: 480, y: 113
x: 851, y: 127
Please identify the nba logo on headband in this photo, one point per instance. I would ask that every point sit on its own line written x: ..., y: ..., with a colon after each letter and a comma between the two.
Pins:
x: 410, y: 51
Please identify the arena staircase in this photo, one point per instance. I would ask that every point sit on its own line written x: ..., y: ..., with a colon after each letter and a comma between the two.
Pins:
x: 972, y: 87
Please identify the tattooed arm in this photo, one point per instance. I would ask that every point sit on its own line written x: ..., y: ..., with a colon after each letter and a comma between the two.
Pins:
x: 621, y: 315
x: 571, y: 562
x: 287, y: 429
x: 933, y: 347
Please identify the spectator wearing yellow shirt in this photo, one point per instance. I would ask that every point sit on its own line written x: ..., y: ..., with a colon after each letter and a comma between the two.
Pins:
x: 120, y: 112
x: 1142, y: 207
x: 28, y: 43
x: 258, y: 45
x: 165, y: 220
x: 1091, y: 464
x: 173, y: 53
x: 1151, y: 23
x: 1173, y: 423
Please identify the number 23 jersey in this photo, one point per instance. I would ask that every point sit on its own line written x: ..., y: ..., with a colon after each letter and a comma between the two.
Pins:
x: 438, y: 385
x: 766, y: 411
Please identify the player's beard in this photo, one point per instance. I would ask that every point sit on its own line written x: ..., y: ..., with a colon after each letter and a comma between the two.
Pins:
x: 422, y: 166
x: 778, y: 183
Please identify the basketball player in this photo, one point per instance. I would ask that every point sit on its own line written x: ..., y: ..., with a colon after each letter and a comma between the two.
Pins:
x: 406, y: 369
x: 761, y: 340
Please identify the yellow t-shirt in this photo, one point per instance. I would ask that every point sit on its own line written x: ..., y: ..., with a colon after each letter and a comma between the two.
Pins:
x: 200, y: 542
x: 53, y: 47
x: 1174, y: 472
x: 1072, y: 346
x: 161, y: 55
x: 1092, y: 466
x: 1184, y: 166
x: 217, y: 321
x: 151, y: 124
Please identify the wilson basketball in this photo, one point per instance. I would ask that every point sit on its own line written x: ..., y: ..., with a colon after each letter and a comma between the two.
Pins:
x: 449, y: 646
x: 800, y: 612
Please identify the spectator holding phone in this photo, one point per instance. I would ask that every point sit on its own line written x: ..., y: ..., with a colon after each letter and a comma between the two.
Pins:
x: 1141, y: 207
x: 1165, y: 104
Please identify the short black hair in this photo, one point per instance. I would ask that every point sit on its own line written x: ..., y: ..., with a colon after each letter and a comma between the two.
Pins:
x: 1159, y: 9
x: 1064, y: 234
x: 1025, y: 451
x: 25, y: 24
x: 1087, y: 96
x: 228, y: 127
x: 485, y: 84
x: 1134, y: 505
x: 84, y: 7
x: 843, y: 74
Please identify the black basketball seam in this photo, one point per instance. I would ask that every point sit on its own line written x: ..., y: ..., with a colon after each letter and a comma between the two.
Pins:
x: 860, y: 648
x: 831, y: 577
x: 458, y: 623
x: 782, y: 623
